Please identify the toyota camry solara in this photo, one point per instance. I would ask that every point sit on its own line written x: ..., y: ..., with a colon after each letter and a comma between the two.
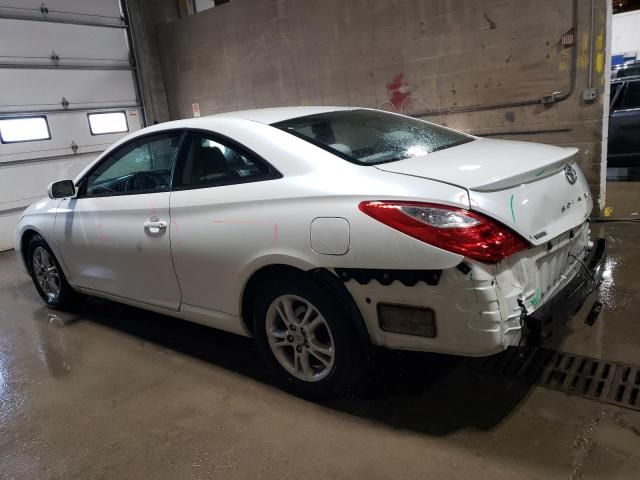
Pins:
x: 322, y: 231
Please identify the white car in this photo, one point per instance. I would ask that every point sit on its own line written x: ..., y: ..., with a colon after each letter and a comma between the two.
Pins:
x: 322, y: 231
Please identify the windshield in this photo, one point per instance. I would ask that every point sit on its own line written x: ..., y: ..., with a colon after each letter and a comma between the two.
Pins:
x: 371, y: 137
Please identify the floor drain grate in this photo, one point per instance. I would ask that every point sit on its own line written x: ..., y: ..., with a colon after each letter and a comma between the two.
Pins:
x: 578, y: 375
x: 625, y: 388
x: 588, y: 377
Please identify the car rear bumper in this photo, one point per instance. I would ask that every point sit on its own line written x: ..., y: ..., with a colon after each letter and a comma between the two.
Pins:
x: 548, y: 323
x: 479, y: 311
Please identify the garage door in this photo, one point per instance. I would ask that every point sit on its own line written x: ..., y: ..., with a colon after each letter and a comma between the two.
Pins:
x: 67, y: 91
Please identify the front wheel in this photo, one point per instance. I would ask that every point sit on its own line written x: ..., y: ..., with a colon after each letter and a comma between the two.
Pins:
x: 47, y: 276
x: 307, y: 338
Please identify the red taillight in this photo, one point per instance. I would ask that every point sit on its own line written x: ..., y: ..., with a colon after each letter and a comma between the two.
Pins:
x: 453, y: 229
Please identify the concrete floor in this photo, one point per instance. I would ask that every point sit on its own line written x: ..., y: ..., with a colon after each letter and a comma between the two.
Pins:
x: 116, y: 392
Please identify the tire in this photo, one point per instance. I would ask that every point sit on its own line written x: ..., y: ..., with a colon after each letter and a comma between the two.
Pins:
x: 48, y: 277
x: 316, y: 353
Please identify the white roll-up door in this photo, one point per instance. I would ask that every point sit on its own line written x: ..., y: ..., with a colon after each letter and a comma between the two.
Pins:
x: 61, y: 63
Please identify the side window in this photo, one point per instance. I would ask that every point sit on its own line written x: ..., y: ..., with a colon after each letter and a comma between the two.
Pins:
x: 139, y: 167
x: 208, y: 162
x: 632, y: 95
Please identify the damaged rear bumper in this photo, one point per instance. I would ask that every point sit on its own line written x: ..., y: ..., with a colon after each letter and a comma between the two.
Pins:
x: 549, y: 322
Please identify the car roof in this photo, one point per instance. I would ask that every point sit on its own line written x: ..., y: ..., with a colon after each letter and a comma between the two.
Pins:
x: 261, y: 115
x: 625, y: 79
x: 278, y: 114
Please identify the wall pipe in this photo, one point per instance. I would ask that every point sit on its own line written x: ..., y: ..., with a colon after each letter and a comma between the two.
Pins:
x: 555, y: 97
x: 591, y: 31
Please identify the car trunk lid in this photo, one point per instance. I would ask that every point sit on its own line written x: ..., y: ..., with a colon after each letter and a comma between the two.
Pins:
x: 535, y: 189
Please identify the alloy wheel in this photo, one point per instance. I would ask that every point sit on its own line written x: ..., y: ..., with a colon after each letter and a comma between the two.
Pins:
x: 46, y: 272
x: 300, y: 338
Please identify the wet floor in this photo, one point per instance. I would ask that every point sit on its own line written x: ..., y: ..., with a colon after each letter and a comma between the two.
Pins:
x: 116, y: 392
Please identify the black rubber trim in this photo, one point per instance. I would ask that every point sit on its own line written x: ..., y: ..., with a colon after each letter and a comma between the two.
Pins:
x: 337, y: 288
x: 408, y: 278
x: 550, y: 320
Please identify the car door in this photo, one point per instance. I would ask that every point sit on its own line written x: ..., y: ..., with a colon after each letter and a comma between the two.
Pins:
x: 114, y: 235
x: 624, y: 126
x: 218, y: 218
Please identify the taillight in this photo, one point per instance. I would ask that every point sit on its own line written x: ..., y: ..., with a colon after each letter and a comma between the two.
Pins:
x: 453, y: 229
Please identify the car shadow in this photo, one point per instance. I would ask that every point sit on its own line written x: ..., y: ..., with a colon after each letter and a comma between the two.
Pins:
x: 425, y: 393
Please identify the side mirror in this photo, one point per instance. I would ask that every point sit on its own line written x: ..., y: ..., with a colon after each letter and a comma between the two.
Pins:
x: 61, y: 189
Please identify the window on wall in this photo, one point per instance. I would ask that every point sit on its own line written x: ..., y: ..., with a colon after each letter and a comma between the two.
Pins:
x: 620, y: 6
x: 109, y: 122
x: 204, y: 5
x: 24, y: 129
x: 200, y: 5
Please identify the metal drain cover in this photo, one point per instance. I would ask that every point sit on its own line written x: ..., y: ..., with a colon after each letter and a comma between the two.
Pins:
x: 578, y: 375
x: 588, y: 377
x: 625, y: 388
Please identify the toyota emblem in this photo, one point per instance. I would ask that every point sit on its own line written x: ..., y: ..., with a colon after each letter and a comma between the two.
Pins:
x: 571, y: 174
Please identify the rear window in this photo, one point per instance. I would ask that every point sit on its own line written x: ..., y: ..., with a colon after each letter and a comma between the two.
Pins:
x: 370, y: 137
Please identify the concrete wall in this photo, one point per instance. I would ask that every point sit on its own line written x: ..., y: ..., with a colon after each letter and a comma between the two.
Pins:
x: 449, y: 60
x: 145, y: 15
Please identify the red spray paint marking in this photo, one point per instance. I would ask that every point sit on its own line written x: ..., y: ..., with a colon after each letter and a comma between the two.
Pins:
x: 398, y: 91
x: 173, y: 237
x: 101, y: 234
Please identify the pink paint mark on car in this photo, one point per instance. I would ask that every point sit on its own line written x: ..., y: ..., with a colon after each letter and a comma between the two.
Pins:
x: 275, y: 234
x: 174, y: 233
x: 398, y: 90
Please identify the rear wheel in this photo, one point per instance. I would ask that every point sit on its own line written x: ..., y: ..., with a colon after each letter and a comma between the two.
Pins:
x: 307, y: 338
x: 48, y: 277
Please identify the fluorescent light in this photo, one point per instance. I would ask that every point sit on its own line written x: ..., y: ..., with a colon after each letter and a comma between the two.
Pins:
x: 112, y: 122
x: 23, y: 129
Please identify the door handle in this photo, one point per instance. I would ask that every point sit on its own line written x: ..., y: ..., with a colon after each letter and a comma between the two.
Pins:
x: 154, y: 226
